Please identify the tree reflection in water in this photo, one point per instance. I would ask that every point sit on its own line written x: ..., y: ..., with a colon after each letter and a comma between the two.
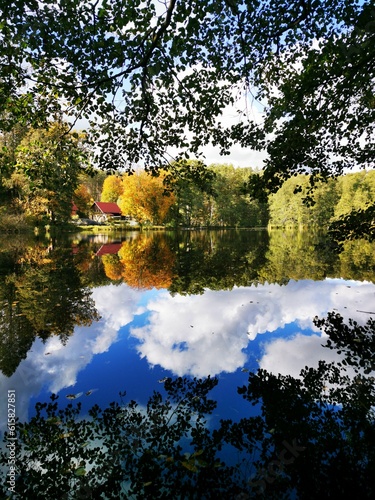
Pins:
x: 313, y: 437
x: 42, y: 293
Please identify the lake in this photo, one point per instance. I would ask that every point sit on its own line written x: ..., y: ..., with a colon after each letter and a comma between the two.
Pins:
x: 86, y: 317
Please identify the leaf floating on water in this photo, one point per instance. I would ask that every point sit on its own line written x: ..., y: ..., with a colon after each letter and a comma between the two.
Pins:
x: 74, y: 396
x: 147, y: 484
x: 90, y: 391
x: 190, y: 466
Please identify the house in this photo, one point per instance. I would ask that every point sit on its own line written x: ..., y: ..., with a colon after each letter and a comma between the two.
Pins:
x: 109, y: 248
x: 103, y: 211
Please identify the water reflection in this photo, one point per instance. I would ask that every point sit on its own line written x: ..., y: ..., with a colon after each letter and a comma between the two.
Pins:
x: 42, y: 294
x: 192, y: 304
x: 210, y: 334
x: 210, y: 302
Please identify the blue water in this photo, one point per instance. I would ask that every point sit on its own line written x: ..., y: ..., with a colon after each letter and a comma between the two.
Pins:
x: 145, y: 336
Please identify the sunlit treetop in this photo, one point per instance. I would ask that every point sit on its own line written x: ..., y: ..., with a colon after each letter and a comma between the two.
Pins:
x: 154, y: 78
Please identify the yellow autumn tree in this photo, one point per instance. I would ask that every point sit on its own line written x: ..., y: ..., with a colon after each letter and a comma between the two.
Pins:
x: 112, y: 189
x: 143, y: 198
x: 147, y: 262
x: 112, y: 267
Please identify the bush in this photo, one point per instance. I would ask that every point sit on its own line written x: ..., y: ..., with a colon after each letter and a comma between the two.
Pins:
x: 13, y: 222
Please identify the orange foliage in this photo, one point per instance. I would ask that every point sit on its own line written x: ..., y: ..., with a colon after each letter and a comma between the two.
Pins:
x: 82, y: 199
x: 147, y: 262
x: 143, y: 198
x: 112, y: 267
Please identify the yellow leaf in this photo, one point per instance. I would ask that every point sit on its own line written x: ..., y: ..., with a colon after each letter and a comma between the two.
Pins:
x: 190, y: 466
x: 66, y: 435
x: 197, y: 453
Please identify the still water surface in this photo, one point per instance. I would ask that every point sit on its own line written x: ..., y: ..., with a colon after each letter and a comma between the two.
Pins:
x: 91, y: 316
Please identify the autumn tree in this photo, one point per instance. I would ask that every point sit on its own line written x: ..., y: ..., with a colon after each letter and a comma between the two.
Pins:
x: 112, y: 267
x: 112, y: 189
x: 44, y: 173
x: 144, y: 198
x: 147, y: 262
x: 93, y: 180
x: 306, y: 67
x: 82, y: 199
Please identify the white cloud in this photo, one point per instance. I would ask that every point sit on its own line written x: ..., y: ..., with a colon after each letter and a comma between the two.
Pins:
x: 238, y: 157
x: 197, y: 335
x: 201, y: 335
x: 290, y: 356
x: 55, y: 366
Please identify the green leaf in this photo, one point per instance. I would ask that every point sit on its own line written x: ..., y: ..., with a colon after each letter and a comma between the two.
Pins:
x: 81, y: 471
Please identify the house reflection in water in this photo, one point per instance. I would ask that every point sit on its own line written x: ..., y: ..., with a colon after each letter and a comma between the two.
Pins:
x: 109, y: 248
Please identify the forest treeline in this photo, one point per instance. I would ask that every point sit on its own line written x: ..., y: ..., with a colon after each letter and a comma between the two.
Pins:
x: 44, y: 171
x: 221, y: 201
x: 226, y: 202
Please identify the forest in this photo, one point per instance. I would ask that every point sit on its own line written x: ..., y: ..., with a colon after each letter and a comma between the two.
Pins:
x: 227, y: 203
x: 43, y: 175
x: 293, y: 80
x: 155, y: 84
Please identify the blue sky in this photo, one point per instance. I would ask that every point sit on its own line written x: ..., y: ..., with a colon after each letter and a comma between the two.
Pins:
x: 145, y: 336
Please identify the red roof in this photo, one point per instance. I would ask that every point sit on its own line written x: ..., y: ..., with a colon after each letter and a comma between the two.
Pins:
x: 108, y: 208
x: 109, y: 248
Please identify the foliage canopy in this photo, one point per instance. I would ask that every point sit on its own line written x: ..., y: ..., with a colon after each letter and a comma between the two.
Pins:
x: 154, y: 78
